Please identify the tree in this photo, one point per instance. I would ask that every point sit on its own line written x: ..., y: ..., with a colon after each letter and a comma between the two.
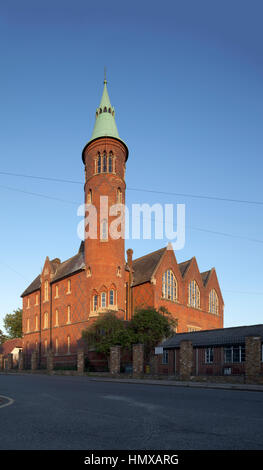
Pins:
x: 150, y: 326
x: 13, y: 324
x: 107, y: 331
x: 3, y: 337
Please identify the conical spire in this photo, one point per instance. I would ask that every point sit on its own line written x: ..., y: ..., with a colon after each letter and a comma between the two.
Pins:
x: 105, y: 125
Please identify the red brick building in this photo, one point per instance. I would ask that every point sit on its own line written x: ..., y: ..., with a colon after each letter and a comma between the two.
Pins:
x: 67, y: 296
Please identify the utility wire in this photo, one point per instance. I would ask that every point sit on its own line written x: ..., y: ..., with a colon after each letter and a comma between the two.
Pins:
x: 195, y: 196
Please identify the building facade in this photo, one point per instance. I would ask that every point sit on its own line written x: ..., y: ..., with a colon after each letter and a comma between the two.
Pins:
x: 66, y: 297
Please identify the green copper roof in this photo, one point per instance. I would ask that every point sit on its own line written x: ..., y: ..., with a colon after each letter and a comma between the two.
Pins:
x: 105, y: 125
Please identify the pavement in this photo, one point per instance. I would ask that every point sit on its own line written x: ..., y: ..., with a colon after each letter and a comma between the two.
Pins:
x: 161, y: 382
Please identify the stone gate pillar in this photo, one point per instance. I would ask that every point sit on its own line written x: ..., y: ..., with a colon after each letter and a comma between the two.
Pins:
x: 10, y: 361
x: 50, y: 361
x: 137, y: 359
x: 186, y: 360
x: 115, y: 359
x: 81, y: 361
x: 21, y: 360
x: 253, y: 358
x: 34, y: 360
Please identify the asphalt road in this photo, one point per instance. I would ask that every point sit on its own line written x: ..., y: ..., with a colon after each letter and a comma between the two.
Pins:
x: 58, y: 412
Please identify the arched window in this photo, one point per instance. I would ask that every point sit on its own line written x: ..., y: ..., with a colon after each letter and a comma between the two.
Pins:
x: 105, y: 110
x: 69, y: 314
x: 169, y: 285
x: 110, y: 162
x: 45, y: 320
x: 99, y: 163
x: 119, y: 196
x: 46, y: 291
x: 69, y: 287
x: 103, y: 299
x: 104, y: 230
x: 104, y: 163
x: 89, y: 197
x: 95, y: 302
x: 213, y: 302
x: 56, y: 317
x: 111, y: 297
x: 68, y: 344
x: 56, y: 292
x: 193, y: 294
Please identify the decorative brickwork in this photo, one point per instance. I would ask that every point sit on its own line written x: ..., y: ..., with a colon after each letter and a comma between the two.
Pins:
x: 253, y: 358
x: 186, y: 360
x: 138, y: 359
x: 115, y: 359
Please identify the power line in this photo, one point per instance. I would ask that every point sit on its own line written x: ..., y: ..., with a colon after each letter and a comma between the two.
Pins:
x: 78, y: 203
x: 167, y: 193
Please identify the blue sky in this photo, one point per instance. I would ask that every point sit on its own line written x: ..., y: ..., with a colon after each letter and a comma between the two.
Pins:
x: 185, y: 78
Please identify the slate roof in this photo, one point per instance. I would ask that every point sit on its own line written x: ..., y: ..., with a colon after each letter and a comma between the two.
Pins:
x: 61, y: 270
x: 144, y: 267
x: 184, y: 266
x: 8, y: 346
x: 217, y: 337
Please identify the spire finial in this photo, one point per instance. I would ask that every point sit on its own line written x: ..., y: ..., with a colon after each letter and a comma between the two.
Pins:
x: 105, y: 80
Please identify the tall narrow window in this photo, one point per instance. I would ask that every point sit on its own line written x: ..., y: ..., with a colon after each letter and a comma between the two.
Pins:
x: 28, y: 302
x: 56, y: 317
x: 56, y: 292
x: 69, y: 287
x: 99, y: 163
x: 95, y: 303
x: 119, y: 196
x: 169, y: 285
x: 69, y: 314
x: 56, y: 345
x: 45, y: 346
x: 104, y: 163
x: 103, y: 299
x: 36, y: 299
x: 68, y: 344
x: 89, y: 197
x: 46, y: 291
x: 27, y: 325
x: 111, y: 297
x: 209, y: 355
x: 213, y: 302
x: 104, y: 230
x: 110, y: 162
x: 36, y: 322
x: 45, y: 320
x: 193, y: 294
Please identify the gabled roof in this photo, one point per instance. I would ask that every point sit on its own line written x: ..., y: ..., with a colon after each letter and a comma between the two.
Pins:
x: 70, y: 266
x: 184, y: 266
x: 144, y: 267
x: 217, y: 337
x: 61, y: 270
x: 8, y: 346
x: 205, y: 276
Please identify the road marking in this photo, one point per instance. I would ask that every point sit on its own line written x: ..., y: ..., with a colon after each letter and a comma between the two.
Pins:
x: 10, y: 401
